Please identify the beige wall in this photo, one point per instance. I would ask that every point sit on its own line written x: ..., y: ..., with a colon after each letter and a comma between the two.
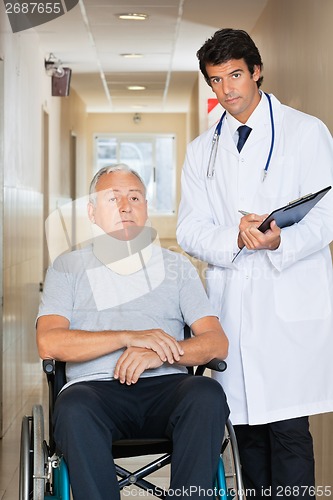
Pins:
x: 21, y: 227
x: 295, y: 41
x: 26, y: 96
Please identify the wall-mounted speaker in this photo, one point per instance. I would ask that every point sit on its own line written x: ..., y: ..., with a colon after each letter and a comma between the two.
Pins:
x: 61, y: 84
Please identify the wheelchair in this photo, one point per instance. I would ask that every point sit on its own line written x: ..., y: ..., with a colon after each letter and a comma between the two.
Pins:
x: 44, y: 474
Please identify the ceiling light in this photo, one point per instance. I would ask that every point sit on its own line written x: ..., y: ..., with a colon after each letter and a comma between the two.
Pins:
x: 133, y: 16
x: 136, y: 87
x: 132, y: 56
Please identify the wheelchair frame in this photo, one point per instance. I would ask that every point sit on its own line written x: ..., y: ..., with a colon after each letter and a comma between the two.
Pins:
x: 44, y: 474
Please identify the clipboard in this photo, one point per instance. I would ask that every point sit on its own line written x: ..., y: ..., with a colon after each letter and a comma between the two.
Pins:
x: 292, y: 213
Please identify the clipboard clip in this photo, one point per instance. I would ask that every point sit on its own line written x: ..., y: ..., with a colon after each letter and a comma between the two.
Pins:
x: 300, y: 199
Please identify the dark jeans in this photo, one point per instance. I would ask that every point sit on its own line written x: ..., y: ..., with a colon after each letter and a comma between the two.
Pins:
x: 190, y: 410
x: 277, y: 459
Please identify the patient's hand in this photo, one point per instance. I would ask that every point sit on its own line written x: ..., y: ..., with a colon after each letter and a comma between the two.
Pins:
x: 163, y: 344
x: 133, y: 362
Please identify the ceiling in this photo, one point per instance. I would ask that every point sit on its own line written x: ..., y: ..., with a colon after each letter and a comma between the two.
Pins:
x: 90, y: 40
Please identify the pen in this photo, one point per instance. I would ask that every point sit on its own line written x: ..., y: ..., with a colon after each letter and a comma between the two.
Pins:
x: 243, y: 212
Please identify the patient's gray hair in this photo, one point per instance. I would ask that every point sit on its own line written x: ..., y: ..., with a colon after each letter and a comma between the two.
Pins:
x: 120, y: 167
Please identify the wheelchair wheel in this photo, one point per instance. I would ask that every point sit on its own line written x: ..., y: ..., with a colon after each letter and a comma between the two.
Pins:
x: 39, y: 464
x: 25, y: 487
x: 221, y: 484
x: 32, y: 456
x: 232, y: 465
x: 61, y: 486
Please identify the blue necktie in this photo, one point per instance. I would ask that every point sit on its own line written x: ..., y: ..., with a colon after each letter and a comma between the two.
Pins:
x: 244, y: 132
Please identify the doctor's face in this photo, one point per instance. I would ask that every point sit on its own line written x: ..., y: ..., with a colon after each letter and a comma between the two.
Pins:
x: 235, y: 88
x: 120, y: 204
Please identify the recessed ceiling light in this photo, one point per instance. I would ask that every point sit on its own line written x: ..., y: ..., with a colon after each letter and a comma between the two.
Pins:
x: 136, y: 87
x: 131, y: 16
x: 132, y: 56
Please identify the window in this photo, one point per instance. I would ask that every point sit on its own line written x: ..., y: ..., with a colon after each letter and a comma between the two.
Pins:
x: 152, y: 156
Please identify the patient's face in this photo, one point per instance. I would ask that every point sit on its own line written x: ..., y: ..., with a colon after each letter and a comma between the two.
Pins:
x: 120, y: 204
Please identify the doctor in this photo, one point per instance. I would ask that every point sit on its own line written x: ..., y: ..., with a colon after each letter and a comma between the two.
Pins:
x: 275, y: 299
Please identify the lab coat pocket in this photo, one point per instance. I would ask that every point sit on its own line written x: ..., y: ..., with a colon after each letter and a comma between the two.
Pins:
x: 301, y: 292
x: 215, y: 284
x: 275, y: 191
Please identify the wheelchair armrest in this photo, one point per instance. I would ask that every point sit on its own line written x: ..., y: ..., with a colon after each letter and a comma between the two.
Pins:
x: 217, y: 365
x: 49, y: 366
x: 56, y: 378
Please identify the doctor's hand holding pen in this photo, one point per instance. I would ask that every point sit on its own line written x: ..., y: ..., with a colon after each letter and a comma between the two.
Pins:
x: 253, y: 239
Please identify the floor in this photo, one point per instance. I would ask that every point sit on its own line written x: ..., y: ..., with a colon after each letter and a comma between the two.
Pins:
x: 10, y: 453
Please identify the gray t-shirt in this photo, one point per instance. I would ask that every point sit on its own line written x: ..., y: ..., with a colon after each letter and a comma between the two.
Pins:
x: 165, y: 294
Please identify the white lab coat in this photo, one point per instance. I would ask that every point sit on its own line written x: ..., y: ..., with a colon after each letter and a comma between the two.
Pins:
x: 276, y: 307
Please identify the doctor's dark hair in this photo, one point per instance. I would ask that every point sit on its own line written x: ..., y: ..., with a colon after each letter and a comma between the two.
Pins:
x: 228, y: 44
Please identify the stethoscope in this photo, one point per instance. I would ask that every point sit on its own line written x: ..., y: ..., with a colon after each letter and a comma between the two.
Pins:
x: 216, y: 138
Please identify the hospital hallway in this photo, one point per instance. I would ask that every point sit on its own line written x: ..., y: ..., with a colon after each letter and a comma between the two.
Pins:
x: 86, y: 89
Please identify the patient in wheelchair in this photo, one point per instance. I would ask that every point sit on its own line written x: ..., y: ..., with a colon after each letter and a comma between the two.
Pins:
x: 115, y: 312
